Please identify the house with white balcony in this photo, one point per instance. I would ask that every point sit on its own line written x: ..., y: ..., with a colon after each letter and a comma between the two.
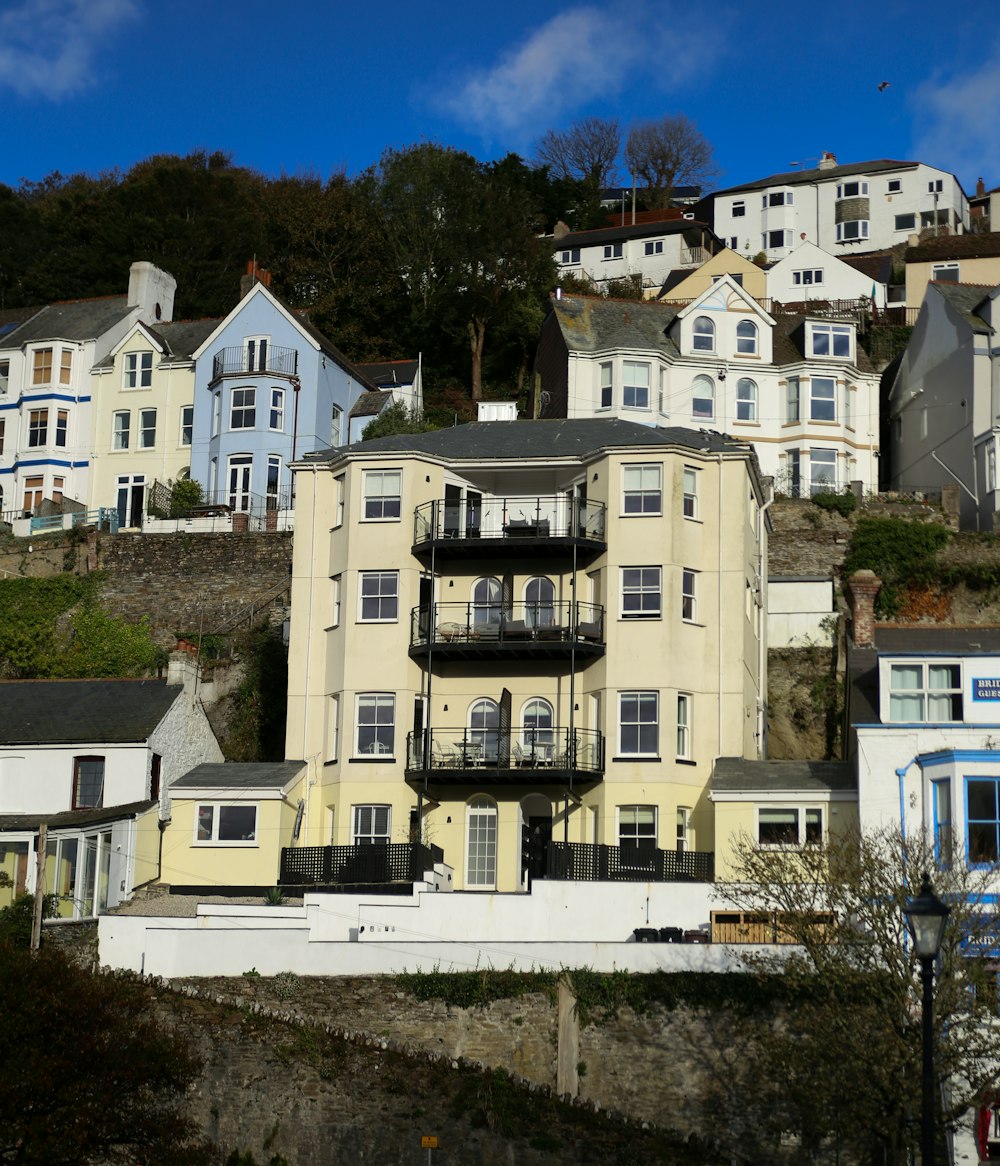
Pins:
x: 944, y: 401
x: 798, y: 387
x: 269, y: 388
x: 842, y: 208
x: 46, y: 392
x: 645, y: 252
x: 809, y: 273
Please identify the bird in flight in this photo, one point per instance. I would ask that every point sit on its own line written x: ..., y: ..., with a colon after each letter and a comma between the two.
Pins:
x: 883, y: 86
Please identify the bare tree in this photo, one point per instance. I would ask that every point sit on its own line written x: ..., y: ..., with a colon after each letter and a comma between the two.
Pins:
x: 668, y: 153
x: 587, y: 152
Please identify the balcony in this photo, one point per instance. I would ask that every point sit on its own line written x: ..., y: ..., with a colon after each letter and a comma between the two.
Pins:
x: 493, y: 527
x: 373, y: 865
x: 244, y: 361
x: 523, y: 631
x: 517, y: 757
x: 588, y: 862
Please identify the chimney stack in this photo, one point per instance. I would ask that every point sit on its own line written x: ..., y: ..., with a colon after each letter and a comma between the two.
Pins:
x: 827, y: 161
x: 980, y: 188
x: 254, y: 274
x: 862, y: 588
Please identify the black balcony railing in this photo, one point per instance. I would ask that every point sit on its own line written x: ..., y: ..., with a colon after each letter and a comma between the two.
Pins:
x: 519, y: 625
x: 487, y: 518
x: 244, y: 361
x: 589, y: 862
x: 391, y: 862
x: 519, y: 754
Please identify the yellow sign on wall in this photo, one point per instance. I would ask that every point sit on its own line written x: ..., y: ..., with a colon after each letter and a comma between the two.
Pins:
x: 429, y: 1142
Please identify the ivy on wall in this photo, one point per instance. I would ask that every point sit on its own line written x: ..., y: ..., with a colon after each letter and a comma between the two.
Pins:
x: 900, y: 553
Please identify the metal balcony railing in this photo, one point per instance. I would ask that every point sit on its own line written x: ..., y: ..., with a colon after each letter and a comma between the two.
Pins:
x: 517, y: 624
x: 589, y: 862
x: 521, y: 750
x: 389, y: 862
x: 538, y: 518
x: 268, y: 360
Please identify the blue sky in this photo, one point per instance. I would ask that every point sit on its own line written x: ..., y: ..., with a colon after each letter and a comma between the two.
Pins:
x: 321, y: 85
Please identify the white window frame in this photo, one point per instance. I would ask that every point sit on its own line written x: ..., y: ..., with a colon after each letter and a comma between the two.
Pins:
x: 187, y: 426
x: 927, y: 692
x: 375, y: 494
x: 639, y: 836
x: 217, y: 414
x: 38, y: 366
x: 822, y: 399
x: 247, y: 395
x: 805, y: 819
x: 570, y: 256
x: 698, y: 412
x: 689, y: 595
x: 905, y: 226
x: 852, y: 231
x: 272, y: 483
x: 685, y: 705
x: 644, y: 585
x: 276, y: 411
x: 61, y: 429
x: 137, y: 370
x: 147, y: 429
x: 653, y: 247
x: 335, y: 581
x: 121, y: 434
x: 377, y: 830
x: 215, y: 825
x: 607, y: 384
x: 642, y: 482
x: 703, y: 334
x: 333, y: 727
x: 385, y: 598
x: 844, y: 191
x: 340, y: 490
x: 613, y: 250
x: 747, y: 344
x: 644, y: 700
x: 793, y: 401
x: 746, y: 399
x: 948, y: 272
x: 834, y: 335
x: 808, y: 277
x: 689, y: 507
x: 632, y: 372
x: 380, y: 702
x: 894, y: 186
x: 481, y: 849
x: 935, y: 186
x: 336, y: 425
x: 739, y: 209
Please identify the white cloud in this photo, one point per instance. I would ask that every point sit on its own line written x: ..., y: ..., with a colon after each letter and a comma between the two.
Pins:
x: 580, y: 56
x: 956, y: 126
x: 47, y: 47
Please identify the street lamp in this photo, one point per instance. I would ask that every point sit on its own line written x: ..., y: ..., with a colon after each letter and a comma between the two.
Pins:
x: 926, y: 916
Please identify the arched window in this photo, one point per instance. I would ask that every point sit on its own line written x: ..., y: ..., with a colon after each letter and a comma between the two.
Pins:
x: 537, y: 733
x: 746, y: 337
x: 483, y: 733
x: 704, y: 335
x: 746, y: 400
x: 703, y: 398
x: 486, y: 602
x: 539, y: 603
x: 481, y: 844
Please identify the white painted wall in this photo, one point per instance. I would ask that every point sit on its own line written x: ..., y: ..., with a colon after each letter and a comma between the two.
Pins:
x: 839, y: 280
x: 796, y: 609
x: 39, y: 779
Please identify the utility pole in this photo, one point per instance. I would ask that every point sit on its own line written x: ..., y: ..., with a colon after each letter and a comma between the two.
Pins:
x: 36, y: 918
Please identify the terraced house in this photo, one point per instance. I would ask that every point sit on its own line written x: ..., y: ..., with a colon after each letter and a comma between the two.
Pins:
x: 524, y: 644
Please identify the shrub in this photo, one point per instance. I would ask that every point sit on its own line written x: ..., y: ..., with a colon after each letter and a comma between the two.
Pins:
x: 844, y: 504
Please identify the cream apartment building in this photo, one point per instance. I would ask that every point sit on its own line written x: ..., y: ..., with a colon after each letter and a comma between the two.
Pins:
x: 526, y: 643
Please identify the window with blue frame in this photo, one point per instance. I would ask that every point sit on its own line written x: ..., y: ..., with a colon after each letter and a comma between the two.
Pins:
x: 982, y: 799
x: 942, y: 822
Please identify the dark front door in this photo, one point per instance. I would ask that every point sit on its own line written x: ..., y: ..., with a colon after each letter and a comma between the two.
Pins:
x: 537, y: 836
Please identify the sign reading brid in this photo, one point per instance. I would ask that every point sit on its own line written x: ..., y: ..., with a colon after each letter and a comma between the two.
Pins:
x: 986, y: 688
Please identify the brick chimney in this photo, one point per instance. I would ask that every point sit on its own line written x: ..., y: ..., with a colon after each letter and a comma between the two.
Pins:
x: 827, y: 161
x: 559, y: 231
x: 980, y: 188
x: 254, y: 274
x: 862, y: 588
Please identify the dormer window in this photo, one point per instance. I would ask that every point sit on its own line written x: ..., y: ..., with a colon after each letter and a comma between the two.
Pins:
x: 831, y: 340
x: 703, y: 339
x: 746, y: 338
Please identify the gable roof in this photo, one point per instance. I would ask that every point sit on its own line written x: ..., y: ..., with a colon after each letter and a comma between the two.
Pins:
x: 175, y: 341
x: 386, y: 374
x: 735, y: 775
x: 594, y: 323
x: 722, y: 284
x: 73, y: 320
x: 54, y: 712
x: 985, y: 246
x: 965, y: 298
x: 544, y: 440
x: 801, y: 177
x: 877, y: 265
x: 239, y: 775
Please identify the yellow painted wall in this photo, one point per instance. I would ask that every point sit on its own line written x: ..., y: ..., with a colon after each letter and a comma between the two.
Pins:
x: 724, y: 262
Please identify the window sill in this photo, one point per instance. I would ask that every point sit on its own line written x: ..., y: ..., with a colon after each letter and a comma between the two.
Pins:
x: 638, y: 757
x: 332, y: 628
x: 646, y: 514
x: 395, y: 619
x: 227, y: 845
x: 751, y: 424
x: 685, y: 761
x: 375, y: 759
x: 640, y: 618
x: 692, y: 518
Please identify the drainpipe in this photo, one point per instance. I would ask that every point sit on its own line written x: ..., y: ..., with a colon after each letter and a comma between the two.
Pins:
x: 762, y: 638
x: 296, y: 385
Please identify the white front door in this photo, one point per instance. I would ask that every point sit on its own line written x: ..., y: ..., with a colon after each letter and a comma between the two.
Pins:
x: 131, y: 492
x: 240, y: 469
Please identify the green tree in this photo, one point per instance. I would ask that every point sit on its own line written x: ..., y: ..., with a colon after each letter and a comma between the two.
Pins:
x: 95, y: 1079
x: 899, y: 552
x: 842, y: 1070
x: 667, y: 153
x: 397, y: 418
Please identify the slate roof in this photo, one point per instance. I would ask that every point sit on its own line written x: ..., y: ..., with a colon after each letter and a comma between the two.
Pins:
x: 179, y: 339
x: 937, y: 640
x: 524, y: 440
x: 985, y: 246
x: 55, y: 712
x: 799, y: 177
x: 387, y: 373
x: 616, y: 234
x: 965, y: 298
x: 70, y: 818
x: 74, y: 320
x: 734, y: 775
x: 877, y: 265
x: 239, y: 775
x: 370, y: 404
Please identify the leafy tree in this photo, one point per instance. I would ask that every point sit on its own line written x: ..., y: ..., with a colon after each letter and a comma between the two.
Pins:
x: 397, y: 418
x: 843, y: 1069
x: 185, y: 494
x: 667, y: 153
x: 95, y: 1079
x: 898, y: 551
x: 586, y: 153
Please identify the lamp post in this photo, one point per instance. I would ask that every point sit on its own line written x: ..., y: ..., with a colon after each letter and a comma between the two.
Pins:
x: 926, y: 916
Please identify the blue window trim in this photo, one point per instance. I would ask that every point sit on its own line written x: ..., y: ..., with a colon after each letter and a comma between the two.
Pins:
x: 935, y: 782
x: 965, y: 794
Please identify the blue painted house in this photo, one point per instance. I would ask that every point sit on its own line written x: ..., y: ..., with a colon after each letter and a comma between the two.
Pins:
x: 269, y: 387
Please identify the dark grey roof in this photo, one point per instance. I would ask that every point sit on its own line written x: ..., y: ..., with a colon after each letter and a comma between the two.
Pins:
x: 788, y: 344
x: 798, y: 177
x: 370, y: 404
x: 639, y: 231
x: 937, y: 639
x: 733, y: 774
x: 984, y: 246
x: 74, y: 320
x: 387, y: 373
x: 965, y: 298
x: 593, y: 324
x: 70, y: 818
x: 179, y: 340
x: 50, y: 712
x: 239, y: 775
x: 521, y: 440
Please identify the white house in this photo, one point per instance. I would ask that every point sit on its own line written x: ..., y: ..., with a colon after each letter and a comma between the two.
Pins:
x: 810, y: 273
x: 799, y: 388
x: 862, y: 206
x: 92, y: 760
x: 942, y: 402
